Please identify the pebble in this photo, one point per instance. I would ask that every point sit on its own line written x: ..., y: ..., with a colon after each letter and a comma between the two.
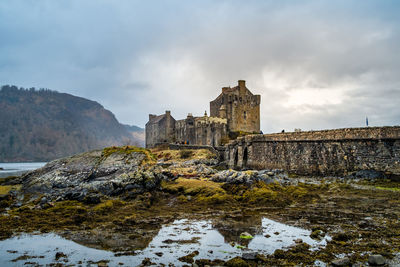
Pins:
x: 376, y: 260
x: 341, y: 262
x: 249, y: 255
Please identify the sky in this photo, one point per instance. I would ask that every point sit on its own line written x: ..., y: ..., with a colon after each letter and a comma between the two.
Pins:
x: 316, y: 64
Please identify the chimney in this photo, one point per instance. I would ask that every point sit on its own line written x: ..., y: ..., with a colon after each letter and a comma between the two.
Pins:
x: 151, y: 116
x: 224, y: 89
x: 168, y: 112
x: 242, y: 83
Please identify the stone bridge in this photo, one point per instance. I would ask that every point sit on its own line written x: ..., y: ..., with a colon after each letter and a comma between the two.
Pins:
x: 328, y: 152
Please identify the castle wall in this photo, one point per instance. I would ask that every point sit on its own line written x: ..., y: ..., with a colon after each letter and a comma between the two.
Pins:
x: 200, y: 130
x: 330, y: 152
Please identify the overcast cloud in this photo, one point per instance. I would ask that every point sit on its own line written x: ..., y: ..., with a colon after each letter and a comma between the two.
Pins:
x: 316, y: 64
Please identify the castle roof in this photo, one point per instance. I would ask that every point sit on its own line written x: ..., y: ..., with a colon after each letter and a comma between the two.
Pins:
x: 157, y: 119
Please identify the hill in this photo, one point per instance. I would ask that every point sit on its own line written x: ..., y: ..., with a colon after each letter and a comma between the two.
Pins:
x: 137, y: 134
x: 41, y: 125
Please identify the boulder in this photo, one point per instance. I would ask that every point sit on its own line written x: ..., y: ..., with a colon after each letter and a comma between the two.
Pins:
x: 101, y: 172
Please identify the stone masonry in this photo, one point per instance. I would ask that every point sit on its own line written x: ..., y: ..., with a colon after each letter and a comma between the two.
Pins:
x: 328, y: 152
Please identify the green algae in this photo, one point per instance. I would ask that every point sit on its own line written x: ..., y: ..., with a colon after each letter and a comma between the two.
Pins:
x: 236, y: 262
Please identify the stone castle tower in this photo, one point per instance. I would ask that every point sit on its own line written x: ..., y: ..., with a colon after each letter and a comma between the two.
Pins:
x: 240, y: 107
x: 236, y: 109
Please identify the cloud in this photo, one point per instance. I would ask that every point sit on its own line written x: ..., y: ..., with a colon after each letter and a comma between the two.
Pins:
x: 316, y: 64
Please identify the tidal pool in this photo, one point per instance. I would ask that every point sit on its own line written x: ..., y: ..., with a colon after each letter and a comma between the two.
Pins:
x: 173, y: 241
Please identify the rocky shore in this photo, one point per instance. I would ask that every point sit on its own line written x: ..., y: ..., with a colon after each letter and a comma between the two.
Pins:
x: 119, y: 198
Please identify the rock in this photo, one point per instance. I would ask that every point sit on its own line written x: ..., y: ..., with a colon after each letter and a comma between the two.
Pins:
x: 368, y: 174
x: 376, y: 260
x: 43, y: 200
x: 341, y: 262
x: 17, y: 204
x: 249, y: 255
x: 237, y: 261
x: 298, y: 241
x: 317, y: 234
x: 60, y: 255
x: 110, y: 172
x: 92, y: 199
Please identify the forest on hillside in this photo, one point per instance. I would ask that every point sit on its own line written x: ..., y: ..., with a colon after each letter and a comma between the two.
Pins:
x: 41, y: 125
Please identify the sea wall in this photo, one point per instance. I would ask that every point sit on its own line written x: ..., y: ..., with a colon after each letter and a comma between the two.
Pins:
x: 329, y: 152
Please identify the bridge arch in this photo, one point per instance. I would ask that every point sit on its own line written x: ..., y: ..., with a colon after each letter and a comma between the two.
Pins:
x: 245, y: 157
x: 236, y: 158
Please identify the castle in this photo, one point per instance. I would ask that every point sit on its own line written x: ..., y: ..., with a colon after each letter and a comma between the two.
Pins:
x: 235, y: 110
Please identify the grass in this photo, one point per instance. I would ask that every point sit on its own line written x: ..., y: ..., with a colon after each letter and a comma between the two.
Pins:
x: 108, y: 151
x: 186, y: 153
x: 192, y: 187
x: 4, y: 189
x: 7, y: 179
x: 395, y: 189
x: 176, y: 155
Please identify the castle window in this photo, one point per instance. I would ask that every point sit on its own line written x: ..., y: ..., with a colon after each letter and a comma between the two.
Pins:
x: 245, y: 115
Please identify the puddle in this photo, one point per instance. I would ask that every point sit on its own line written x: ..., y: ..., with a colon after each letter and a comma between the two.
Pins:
x: 172, y: 242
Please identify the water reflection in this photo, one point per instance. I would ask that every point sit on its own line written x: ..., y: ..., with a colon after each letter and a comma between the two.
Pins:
x: 172, y: 242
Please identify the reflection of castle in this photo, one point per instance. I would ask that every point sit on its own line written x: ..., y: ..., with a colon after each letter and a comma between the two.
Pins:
x: 234, y: 110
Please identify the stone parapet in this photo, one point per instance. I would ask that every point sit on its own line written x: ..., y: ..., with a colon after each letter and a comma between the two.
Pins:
x: 329, y: 152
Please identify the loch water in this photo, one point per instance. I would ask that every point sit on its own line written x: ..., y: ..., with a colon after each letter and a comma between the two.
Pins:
x: 18, y: 168
x: 174, y: 240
